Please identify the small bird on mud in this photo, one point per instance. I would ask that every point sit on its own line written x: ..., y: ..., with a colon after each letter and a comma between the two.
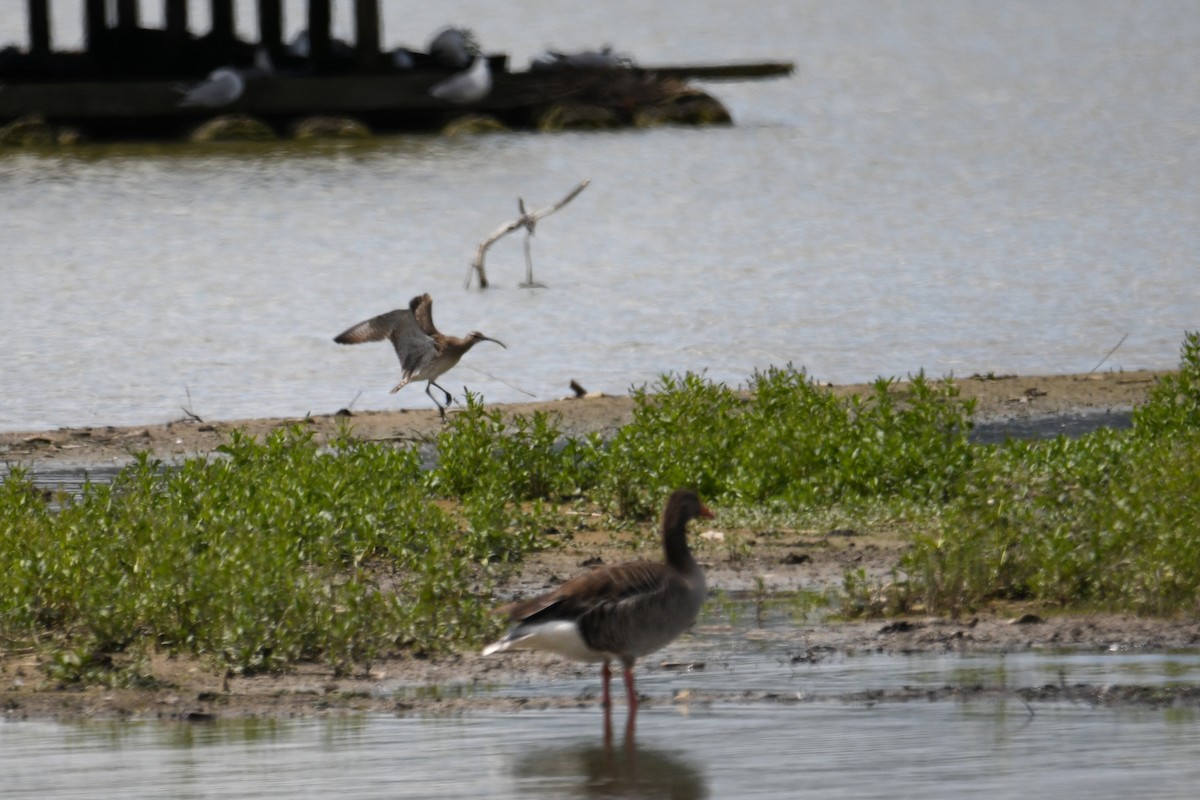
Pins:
x: 424, y: 352
x: 617, y: 612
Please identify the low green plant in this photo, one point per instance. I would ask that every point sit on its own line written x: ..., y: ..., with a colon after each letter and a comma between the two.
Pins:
x: 1109, y: 519
x: 272, y: 553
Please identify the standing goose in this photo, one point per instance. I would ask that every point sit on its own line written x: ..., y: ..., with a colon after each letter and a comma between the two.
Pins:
x: 425, y: 353
x: 617, y: 612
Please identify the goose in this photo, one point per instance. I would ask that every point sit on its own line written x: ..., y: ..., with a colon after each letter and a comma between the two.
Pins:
x: 619, y: 612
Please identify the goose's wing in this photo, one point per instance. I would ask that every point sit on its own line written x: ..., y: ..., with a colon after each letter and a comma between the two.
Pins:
x: 590, y: 590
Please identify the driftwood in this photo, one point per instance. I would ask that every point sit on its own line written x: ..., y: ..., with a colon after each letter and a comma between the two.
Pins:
x: 529, y: 223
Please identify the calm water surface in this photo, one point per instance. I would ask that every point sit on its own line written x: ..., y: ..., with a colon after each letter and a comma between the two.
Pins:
x: 832, y: 745
x: 959, y: 187
x: 941, y: 750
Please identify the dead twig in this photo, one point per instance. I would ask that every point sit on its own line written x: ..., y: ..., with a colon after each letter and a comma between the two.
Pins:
x: 529, y: 223
x: 1109, y: 353
x: 188, y: 410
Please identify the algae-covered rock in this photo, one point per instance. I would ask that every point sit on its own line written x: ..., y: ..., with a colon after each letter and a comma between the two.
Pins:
x: 469, y: 124
x: 691, y: 107
x: 577, y: 116
x: 28, y: 131
x: 330, y: 127
x: 233, y: 128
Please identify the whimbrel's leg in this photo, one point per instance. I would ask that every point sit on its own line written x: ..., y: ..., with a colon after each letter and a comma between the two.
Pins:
x: 442, y: 410
x: 438, y: 385
x: 633, y: 702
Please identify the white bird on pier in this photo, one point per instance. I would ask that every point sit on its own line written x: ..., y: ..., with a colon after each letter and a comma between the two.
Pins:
x: 222, y: 87
x: 466, y: 87
x: 226, y: 84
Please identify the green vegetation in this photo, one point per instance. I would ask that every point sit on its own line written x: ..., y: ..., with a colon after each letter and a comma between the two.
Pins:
x: 280, y: 551
x: 1108, y: 520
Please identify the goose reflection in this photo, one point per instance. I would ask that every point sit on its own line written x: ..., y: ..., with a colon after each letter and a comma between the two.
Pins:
x: 587, y: 768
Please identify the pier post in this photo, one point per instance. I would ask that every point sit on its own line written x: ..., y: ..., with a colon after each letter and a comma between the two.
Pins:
x: 320, y: 21
x: 222, y: 23
x: 175, y: 13
x: 270, y: 26
x: 39, y: 27
x: 366, y: 33
x: 127, y: 14
x: 95, y: 23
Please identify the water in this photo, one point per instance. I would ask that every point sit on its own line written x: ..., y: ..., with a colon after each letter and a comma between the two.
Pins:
x: 958, y: 187
x: 929, y: 750
x: 819, y: 737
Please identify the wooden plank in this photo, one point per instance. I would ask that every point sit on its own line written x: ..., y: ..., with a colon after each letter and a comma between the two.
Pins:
x: 725, y: 72
x: 290, y: 96
x: 366, y: 33
x: 39, y: 27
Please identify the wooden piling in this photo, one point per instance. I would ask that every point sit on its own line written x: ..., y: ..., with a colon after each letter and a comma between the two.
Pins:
x: 95, y: 23
x: 39, y: 27
x: 320, y: 22
x: 127, y: 14
x: 223, y: 29
x: 270, y: 26
x: 366, y: 33
x: 176, y: 13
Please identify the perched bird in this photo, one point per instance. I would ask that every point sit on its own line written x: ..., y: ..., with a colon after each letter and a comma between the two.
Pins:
x: 466, y: 87
x: 425, y: 353
x: 226, y: 84
x: 222, y: 87
x: 617, y: 612
x: 453, y: 47
x: 604, y: 58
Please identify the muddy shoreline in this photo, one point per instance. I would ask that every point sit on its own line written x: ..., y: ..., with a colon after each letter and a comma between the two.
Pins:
x: 186, y: 689
x: 1023, y: 405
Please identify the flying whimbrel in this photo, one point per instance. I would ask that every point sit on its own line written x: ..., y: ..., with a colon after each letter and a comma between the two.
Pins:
x: 425, y: 353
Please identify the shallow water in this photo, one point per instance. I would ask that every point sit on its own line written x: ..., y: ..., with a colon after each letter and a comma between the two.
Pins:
x: 958, y: 187
x: 931, y: 750
x: 768, y: 717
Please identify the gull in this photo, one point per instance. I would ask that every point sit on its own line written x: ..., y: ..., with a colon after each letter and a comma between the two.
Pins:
x: 466, y: 87
x: 424, y: 352
x: 226, y: 84
x: 222, y: 87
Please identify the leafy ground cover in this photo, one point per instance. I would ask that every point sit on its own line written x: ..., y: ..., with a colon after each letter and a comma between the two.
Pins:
x: 277, y: 551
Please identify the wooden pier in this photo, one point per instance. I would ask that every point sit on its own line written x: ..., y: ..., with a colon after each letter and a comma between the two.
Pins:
x: 126, y: 81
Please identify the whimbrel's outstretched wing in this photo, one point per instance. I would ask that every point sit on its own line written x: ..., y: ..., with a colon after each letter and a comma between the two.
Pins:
x: 422, y: 308
x: 413, y: 346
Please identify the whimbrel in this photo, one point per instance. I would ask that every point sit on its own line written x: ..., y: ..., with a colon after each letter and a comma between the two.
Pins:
x: 618, y: 612
x: 425, y: 353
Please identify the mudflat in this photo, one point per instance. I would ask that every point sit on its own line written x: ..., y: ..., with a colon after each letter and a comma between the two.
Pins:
x: 998, y: 399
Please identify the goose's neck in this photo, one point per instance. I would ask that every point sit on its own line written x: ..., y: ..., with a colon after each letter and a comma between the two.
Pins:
x: 675, y: 545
